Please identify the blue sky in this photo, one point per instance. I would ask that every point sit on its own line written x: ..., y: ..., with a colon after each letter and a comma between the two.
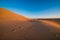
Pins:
x: 33, y: 8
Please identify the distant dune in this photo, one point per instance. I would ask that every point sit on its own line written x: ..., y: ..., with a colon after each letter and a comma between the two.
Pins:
x: 18, y: 27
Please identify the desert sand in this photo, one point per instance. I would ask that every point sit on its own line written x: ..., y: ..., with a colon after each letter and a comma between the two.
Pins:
x: 18, y: 27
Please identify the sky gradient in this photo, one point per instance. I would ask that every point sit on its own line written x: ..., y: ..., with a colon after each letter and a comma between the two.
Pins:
x: 33, y: 8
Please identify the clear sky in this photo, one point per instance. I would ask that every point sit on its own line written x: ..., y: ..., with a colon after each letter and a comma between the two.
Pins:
x: 33, y: 8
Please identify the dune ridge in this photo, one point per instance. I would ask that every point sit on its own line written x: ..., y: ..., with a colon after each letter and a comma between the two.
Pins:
x: 8, y: 15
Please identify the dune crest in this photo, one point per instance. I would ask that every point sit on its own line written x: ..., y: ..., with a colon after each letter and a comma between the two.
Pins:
x: 6, y: 15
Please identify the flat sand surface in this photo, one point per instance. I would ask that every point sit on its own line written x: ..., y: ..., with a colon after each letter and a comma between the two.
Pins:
x: 30, y: 30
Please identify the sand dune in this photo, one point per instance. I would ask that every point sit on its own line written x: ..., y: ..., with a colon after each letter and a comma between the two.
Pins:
x: 54, y: 24
x: 21, y: 28
x: 6, y: 15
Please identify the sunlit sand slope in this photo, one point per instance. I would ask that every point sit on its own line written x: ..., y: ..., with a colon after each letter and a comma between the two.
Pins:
x: 6, y: 15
